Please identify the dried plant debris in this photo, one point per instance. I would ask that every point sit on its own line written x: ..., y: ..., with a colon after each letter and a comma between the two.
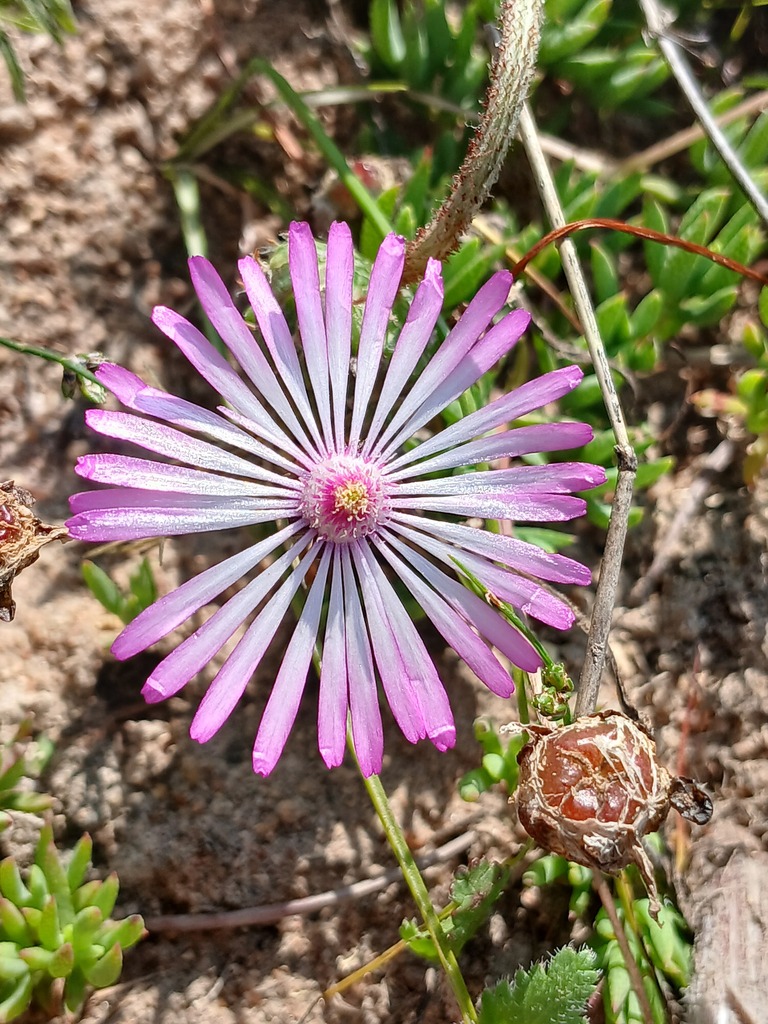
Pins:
x: 22, y: 535
x: 590, y: 791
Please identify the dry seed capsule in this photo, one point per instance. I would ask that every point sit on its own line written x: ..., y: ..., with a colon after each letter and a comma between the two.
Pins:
x: 591, y: 790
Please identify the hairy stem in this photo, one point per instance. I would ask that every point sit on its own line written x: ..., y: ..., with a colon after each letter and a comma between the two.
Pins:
x: 511, y: 73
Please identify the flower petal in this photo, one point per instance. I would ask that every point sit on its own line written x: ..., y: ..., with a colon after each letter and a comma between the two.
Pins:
x: 516, y: 553
x: 478, y: 314
x: 334, y: 692
x: 526, y: 595
x: 214, y: 368
x: 175, y: 671
x: 159, y: 476
x: 414, y: 690
x: 156, y: 437
x: 283, y: 704
x: 229, y: 685
x: 174, y: 608
x: 453, y: 628
x: 485, y: 619
x: 485, y: 354
x: 277, y: 336
x: 124, y: 519
x: 339, y: 276
x: 554, y: 478
x: 305, y: 278
x: 234, y: 331
x: 541, y: 437
x: 523, y: 400
x: 411, y: 342
x: 367, y: 731
x: 136, y: 395
x: 382, y: 291
x: 535, y: 508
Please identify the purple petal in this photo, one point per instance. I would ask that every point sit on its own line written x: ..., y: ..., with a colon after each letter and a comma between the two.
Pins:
x: 382, y: 291
x: 277, y: 336
x: 555, y: 478
x: 234, y: 331
x: 453, y: 628
x: 413, y: 339
x: 478, y: 314
x: 339, y: 275
x: 229, y: 685
x: 283, y: 704
x: 156, y: 437
x: 334, y: 693
x: 128, y: 522
x: 516, y: 553
x: 214, y: 368
x: 555, y: 508
x: 159, y: 476
x: 485, y: 354
x: 413, y: 688
x: 485, y: 619
x: 136, y: 395
x: 398, y: 684
x: 518, y: 591
x: 523, y: 400
x: 367, y: 731
x: 542, y: 437
x: 175, y: 608
x: 194, y: 653
x: 305, y: 278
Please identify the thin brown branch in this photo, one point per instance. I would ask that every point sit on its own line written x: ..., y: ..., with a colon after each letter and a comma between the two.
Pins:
x: 270, y: 913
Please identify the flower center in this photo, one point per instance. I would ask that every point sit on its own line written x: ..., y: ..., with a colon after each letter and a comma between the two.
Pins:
x: 344, y: 498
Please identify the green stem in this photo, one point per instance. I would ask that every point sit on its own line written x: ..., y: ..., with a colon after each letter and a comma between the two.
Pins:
x: 420, y: 895
x: 73, y: 365
x: 521, y: 678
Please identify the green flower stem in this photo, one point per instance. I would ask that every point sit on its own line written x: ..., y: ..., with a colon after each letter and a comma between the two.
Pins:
x: 521, y: 680
x: 413, y: 877
x: 53, y: 357
x: 420, y: 895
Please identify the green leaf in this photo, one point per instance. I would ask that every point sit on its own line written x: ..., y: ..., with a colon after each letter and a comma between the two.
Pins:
x: 561, y: 41
x: 762, y: 306
x: 555, y: 993
x: 142, y: 585
x: 613, y: 321
x: 19, y: 998
x: 604, y: 272
x: 103, y: 588
x: 698, y: 225
x: 708, y: 309
x: 646, y: 314
x: 655, y: 217
x: 106, y: 970
x: 387, y: 33
x: 79, y: 862
x: 475, y: 890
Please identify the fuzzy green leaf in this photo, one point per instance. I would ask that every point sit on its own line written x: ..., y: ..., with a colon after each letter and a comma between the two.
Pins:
x: 555, y: 993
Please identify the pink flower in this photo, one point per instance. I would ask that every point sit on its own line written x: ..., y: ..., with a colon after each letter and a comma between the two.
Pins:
x: 320, y: 452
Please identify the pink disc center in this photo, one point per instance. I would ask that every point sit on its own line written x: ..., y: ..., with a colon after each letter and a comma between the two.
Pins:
x: 344, y: 498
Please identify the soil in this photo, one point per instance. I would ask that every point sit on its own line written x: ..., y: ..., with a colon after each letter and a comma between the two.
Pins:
x: 90, y: 241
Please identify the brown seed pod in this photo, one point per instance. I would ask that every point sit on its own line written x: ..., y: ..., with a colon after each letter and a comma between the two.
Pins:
x: 22, y: 535
x: 590, y: 791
